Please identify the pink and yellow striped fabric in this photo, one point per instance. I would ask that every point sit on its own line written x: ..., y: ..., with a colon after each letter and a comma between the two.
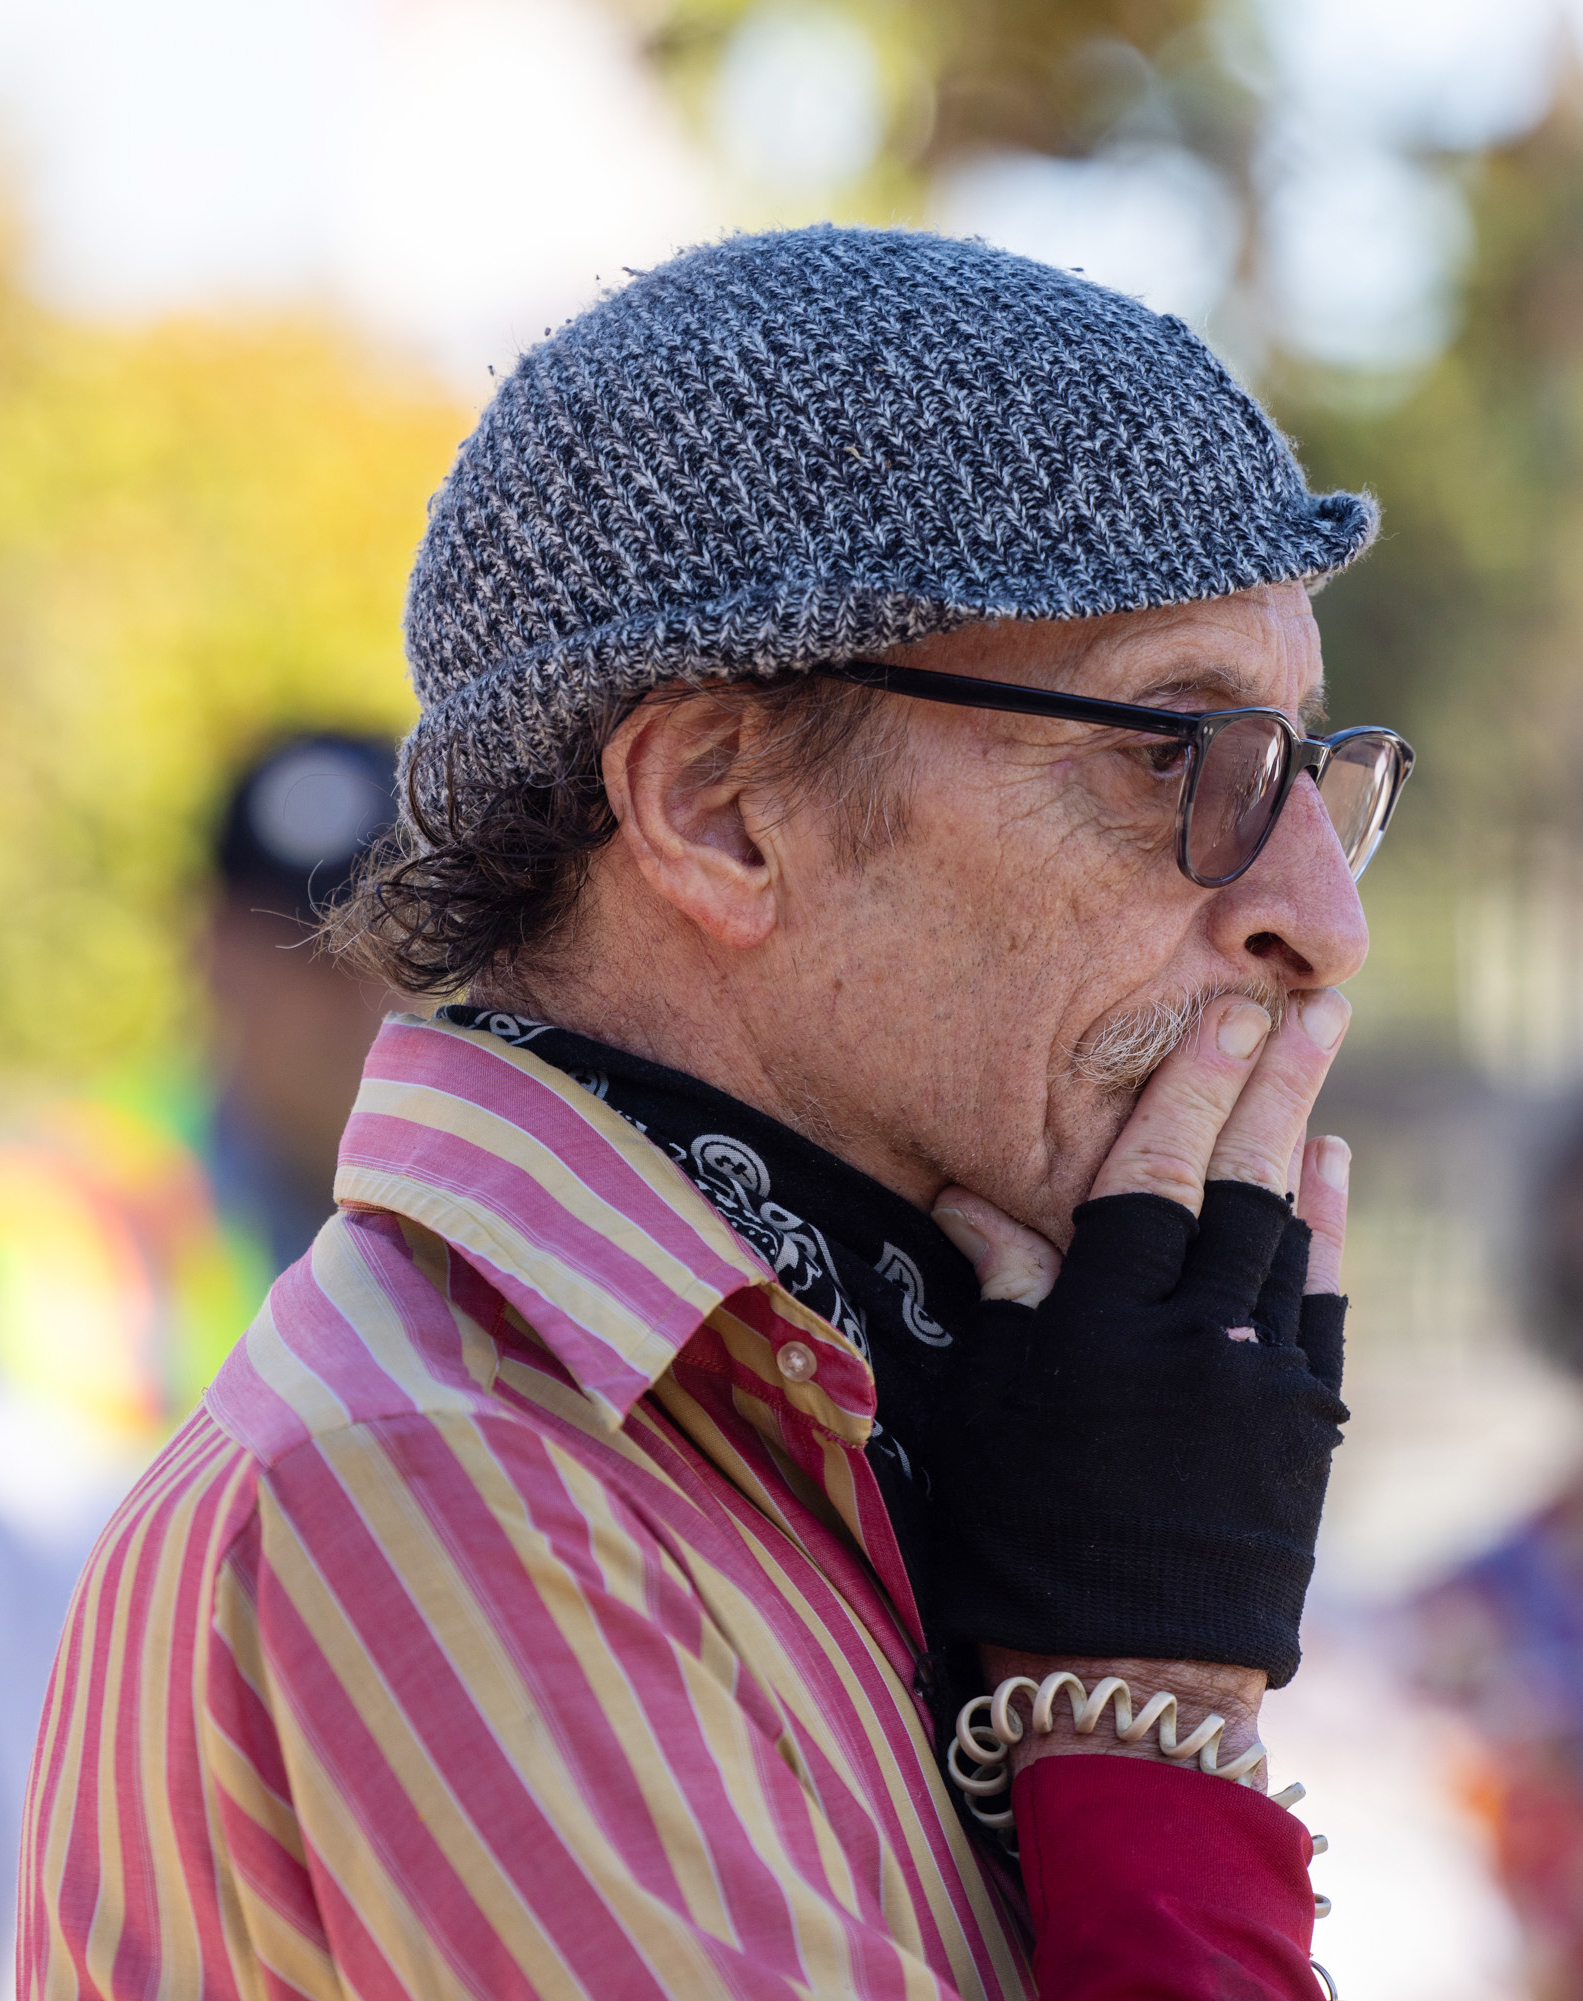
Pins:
x: 505, y: 1623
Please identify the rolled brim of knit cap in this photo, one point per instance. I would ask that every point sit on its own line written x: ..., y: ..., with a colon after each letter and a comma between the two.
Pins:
x: 817, y: 444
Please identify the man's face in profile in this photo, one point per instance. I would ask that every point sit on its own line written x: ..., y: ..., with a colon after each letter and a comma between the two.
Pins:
x: 998, y: 983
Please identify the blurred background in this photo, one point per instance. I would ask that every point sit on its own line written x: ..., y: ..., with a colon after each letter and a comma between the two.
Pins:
x: 258, y: 263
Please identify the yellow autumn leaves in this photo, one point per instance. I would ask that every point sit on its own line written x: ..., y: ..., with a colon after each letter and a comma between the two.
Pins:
x: 205, y: 530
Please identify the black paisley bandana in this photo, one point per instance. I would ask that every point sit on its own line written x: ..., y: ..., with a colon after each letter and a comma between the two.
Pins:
x: 863, y: 1258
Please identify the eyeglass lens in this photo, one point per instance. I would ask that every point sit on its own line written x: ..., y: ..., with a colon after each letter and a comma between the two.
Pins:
x: 1239, y: 788
x: 1358, y: 787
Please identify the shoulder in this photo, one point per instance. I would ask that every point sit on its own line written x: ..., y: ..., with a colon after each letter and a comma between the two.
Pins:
x: 377, y: 1321
x: 382, y: 1363
x: 152, y: 1569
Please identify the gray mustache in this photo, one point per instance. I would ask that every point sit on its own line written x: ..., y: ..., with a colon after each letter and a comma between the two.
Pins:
x: 1125, y: 1050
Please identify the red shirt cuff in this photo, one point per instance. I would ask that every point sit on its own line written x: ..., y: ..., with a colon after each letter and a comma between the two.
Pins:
x: 1151, y: 1883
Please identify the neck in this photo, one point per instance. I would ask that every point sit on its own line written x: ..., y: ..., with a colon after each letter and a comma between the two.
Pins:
x: 728, y: 1024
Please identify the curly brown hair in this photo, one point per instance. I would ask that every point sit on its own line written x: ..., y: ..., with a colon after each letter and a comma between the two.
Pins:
x: 434, y: 909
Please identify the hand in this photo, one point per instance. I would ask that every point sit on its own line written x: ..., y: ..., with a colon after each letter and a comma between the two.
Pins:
x: 1169, y: 1123
x: 1135, y: 1466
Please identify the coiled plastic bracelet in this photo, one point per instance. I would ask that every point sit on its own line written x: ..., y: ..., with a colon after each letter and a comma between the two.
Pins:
x: 988, y: 1741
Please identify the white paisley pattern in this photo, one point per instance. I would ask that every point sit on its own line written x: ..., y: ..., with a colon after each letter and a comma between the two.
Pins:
x: 737, y: 1181
x: 895, y: 1265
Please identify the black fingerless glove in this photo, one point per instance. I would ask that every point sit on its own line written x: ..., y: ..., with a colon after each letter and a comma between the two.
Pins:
x: 1114, y: 1476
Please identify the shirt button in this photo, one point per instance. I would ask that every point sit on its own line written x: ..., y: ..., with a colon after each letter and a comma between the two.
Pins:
x: 796, y: 1361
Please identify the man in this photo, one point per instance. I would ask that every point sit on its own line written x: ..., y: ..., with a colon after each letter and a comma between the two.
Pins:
x: 540, y: 1605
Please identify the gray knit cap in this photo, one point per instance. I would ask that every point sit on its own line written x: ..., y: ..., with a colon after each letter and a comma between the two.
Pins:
x: 811, y: 445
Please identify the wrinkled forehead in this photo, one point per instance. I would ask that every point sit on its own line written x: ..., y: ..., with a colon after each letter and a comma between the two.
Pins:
x: 1255, y: 648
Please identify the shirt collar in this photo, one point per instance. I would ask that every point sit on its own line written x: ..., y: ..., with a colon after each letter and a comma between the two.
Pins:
x: 597, y: 1239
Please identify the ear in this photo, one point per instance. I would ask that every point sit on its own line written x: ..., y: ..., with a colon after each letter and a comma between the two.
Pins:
x: 668, y: 776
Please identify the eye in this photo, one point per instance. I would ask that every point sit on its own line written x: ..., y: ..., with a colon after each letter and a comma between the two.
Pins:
x: 1166, y: 757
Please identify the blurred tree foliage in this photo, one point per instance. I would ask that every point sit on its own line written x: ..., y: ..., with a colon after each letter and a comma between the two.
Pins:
x: 1465, y: 624
x: 1467, y: 620
x: 962, y: 74
x: 204, y: 535
x: 1464, y: 627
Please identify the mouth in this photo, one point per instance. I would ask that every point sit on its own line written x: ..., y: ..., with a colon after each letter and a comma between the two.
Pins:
x: 1123, y: 1050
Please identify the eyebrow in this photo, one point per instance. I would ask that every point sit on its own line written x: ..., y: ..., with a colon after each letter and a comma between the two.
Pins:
x: 1231, y: 688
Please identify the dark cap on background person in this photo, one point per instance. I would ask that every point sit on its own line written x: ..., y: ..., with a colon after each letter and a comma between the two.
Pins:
x: 299, y: 816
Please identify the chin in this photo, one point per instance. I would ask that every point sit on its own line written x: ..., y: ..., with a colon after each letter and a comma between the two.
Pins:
x: 1083, y: 1129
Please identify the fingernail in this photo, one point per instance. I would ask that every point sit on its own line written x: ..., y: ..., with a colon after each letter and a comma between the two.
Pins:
x: 1324, y: 1016
x: 1242, y: 1030
x: 962, y: 1234
x: 1334, y: 1162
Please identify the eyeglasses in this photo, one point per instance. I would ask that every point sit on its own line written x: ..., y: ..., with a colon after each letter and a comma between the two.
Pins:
x: 1240, y: 767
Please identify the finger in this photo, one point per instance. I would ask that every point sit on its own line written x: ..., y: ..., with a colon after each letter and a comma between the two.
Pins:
x: 1322, y: 1336
x: 1126, y: 1250
x: 1262, y: 1131
x: 1294, y: 1167
x: 1279, y: 1306
x: 1322, y: 1204
x: 1240, y: 1232
x: 1009, y: 1261
x: 1165, y: 1147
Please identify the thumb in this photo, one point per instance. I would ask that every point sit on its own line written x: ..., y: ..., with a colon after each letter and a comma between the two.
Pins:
x: 1009, y: 1260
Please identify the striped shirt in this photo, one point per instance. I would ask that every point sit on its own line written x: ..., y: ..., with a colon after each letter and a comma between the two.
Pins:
x: 517, y: 1615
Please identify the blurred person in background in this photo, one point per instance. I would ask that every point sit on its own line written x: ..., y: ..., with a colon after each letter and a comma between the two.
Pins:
x: 1502, y: 1640
x: 858, y: 1241
x: 291, y: 1028
x: 138, y: 1231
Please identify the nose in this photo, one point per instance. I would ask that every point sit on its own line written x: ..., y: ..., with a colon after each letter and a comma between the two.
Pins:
x: 1295, y: 914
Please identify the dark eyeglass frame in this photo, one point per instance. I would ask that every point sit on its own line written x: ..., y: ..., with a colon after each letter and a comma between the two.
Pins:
x: 1198, y: 732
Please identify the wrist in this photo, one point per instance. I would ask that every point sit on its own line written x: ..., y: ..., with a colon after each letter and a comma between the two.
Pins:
x: 1201, y: 1688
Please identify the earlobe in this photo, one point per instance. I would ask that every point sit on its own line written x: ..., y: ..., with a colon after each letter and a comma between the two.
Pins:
x: 670, y: 776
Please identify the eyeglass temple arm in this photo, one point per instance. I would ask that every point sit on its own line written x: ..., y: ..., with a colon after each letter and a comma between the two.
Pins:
x: 962, y: 691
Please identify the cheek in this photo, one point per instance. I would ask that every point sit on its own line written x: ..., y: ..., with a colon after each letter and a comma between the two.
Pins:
x: 1015, y: 911
x: 959, y: 938
x: 1124, y: 821
x: 1109, y: 881
x: 1136, y: 931
x: 999, y: 869
x: 1030, y: 888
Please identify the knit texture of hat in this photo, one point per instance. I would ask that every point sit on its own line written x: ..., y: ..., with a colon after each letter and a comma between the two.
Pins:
x: 808, y: 446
